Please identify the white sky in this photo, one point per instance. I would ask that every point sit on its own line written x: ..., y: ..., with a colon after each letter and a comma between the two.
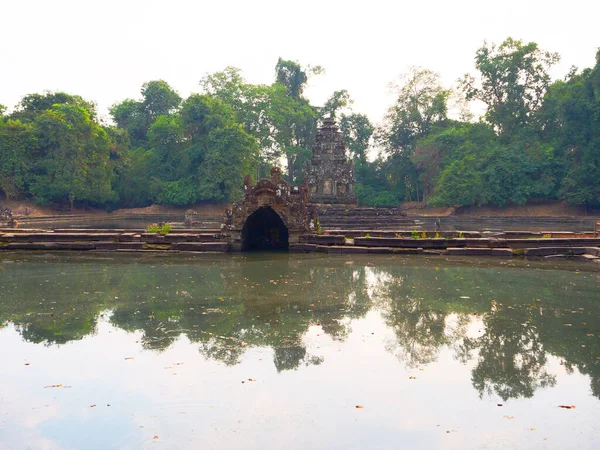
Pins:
x: 105, y: 50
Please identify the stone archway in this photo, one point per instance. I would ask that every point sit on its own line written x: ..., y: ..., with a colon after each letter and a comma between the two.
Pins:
x: 271, y: 216
x: 264, y: 230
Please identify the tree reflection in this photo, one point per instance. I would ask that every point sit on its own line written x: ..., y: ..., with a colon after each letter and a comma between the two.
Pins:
x: 511, y: 358
x: 503, y: 321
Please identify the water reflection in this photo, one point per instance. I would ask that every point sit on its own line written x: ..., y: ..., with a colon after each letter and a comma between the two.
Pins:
x: 504, y: 321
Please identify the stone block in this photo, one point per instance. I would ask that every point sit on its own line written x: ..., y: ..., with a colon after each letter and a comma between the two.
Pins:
x: 76, y: 246
x: 547, y: 251
x: 323, y: 239
x: 105, y: 245
x: 201, y: 246
x: 130, y: 245
x: 497, y: 252
x: 302, y: 248
x: 30, y: 246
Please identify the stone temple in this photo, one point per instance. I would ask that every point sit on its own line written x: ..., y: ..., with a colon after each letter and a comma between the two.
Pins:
x: 330, y: 175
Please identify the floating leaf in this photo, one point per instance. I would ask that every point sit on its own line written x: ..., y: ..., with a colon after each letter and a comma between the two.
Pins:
x: 567, y: 406
x: 359, y: 406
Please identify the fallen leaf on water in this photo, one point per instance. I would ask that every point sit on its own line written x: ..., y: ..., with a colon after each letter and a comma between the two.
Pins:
x: 155, y: 437
x: 567, y: 406
x: 500, y: 404
x: 510, y: 417
x: 129, y: 357
x: 359, y: 406
x: 412, y: 378
x: 532, y: 428
x: 92, y: 406
x: 568, y: 325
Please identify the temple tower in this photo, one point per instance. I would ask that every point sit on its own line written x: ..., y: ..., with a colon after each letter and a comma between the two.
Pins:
x: 330, y: 175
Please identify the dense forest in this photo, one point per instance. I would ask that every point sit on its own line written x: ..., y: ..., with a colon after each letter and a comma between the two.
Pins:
x: 536, y: 138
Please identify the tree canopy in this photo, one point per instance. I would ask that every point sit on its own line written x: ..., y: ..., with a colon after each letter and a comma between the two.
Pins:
x: 536, y: 138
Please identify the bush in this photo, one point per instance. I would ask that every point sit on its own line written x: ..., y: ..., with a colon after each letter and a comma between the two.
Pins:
x: 153, y: 228
x: 164, y: 228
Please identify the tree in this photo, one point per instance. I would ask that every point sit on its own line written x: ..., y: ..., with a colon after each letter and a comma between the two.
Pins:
x: 230, y: 154
x: 421, y: 101
x: 17, y: 144
x: 33, y: 104
x: 137, y: 116
x: 159, y: 99
x: 293, y: 76
x: 513, y: 80
x: 72, y: 157
x: 357, y: 131
x: 338, y: 100
x: 570, y: 118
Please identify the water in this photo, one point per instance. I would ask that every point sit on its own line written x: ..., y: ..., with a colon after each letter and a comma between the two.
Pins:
x: 297, y: 351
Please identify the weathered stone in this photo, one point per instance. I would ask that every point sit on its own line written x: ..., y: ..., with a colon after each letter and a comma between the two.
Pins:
x: 58, y: 237
x: 401, y: 243
x: 272, y: 214
x: 586, y: 257
x: 205, y: 237
x: 30, y: 246
x: 130, y: 245
x: 348, y: 250
x: 201, y: 246
x: 105, y: 245
x: 499, y: 252
x: 75, y: 246
x: 302, y: 248
x: 324, y: 239
x: 154, y: 238
x: 547, y: 251
x: 330, y: 175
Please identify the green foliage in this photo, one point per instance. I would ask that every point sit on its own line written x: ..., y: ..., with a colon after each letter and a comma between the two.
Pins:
x: 372, y: 196
x: 163, y: 228
x: 415, y: 234
x: 514, y: 77
x: 153, y: 228
x: 367, y: 235
x: 17, y: 144
x: 537, y: 139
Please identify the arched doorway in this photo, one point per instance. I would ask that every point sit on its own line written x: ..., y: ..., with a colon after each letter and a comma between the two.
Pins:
x: 264, y: 230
